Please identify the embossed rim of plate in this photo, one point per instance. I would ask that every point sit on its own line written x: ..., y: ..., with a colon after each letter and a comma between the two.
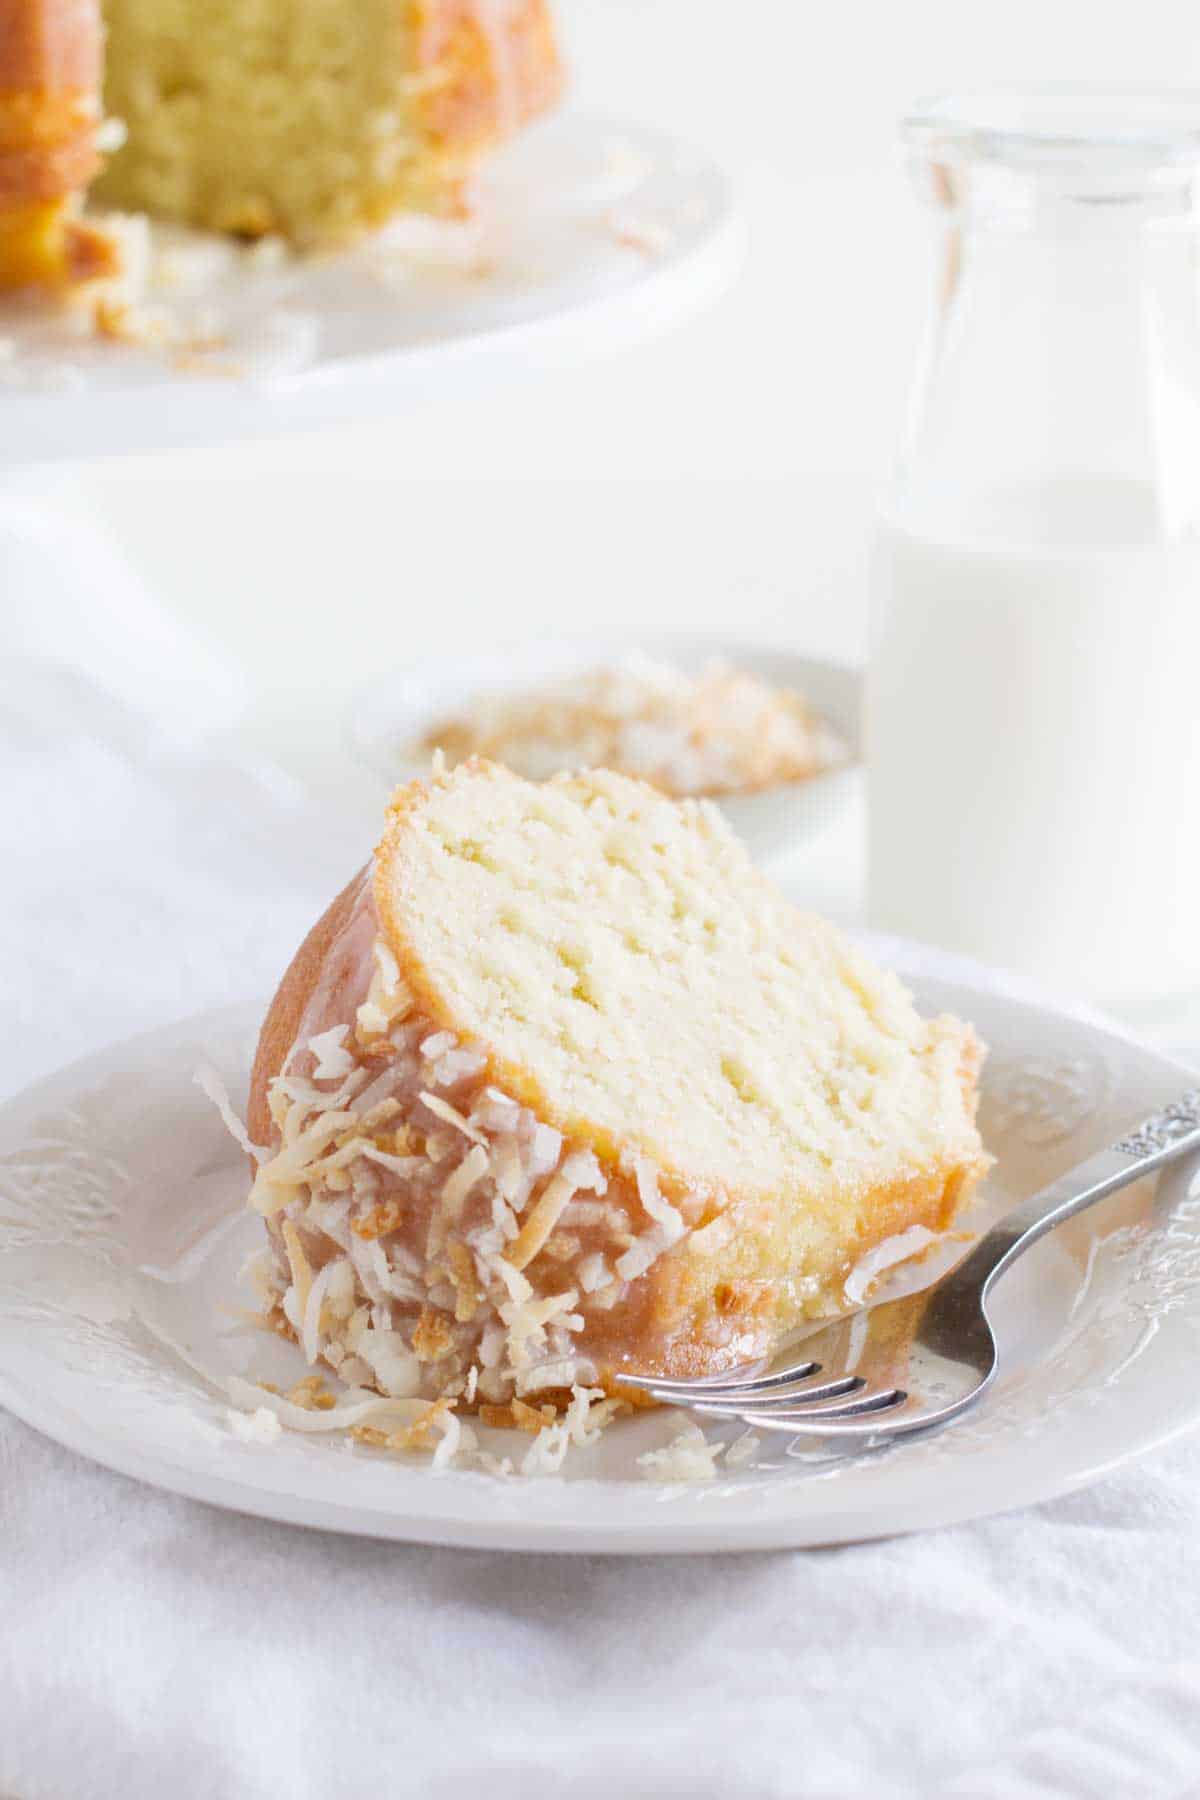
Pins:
x: 969, y: 1473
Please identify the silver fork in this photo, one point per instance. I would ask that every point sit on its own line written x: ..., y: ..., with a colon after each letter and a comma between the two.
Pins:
x: 943, y: 1333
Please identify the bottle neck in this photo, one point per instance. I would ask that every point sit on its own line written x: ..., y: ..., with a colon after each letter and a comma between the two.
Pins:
x: 1063, y: 356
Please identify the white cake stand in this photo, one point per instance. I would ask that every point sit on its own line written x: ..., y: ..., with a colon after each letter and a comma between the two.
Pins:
x: 586, y: 236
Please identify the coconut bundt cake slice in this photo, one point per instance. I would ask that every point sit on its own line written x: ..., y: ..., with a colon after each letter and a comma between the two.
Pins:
x: 562, y: 1086
x: 314, y: 119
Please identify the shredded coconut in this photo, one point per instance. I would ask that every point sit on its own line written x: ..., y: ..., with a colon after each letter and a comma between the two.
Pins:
x: 885, y: 1255
x: 310, y: 1331
x: 548, y: 1451
x: 742, y: 1449
x: 258, y: 1427
x: 356, y: 1408
x: 668, y: 1220
x: 451, y: 1429
x: 333, y: 1061
x: 393, y: 1364
x: 688, y: 1457
x: 210, y: 1083
x: 444, y: 1110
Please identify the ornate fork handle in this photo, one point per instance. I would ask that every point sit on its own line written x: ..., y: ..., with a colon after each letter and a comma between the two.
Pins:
x: 1164, y: 1128
x: 951, y: 1321
x: 1158, y: 1140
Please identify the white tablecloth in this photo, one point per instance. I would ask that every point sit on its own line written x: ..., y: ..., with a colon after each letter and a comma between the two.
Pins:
x: 150, y: 1646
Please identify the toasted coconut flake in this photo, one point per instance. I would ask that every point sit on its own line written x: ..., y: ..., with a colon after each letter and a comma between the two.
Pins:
x: 743, y: 1449
x: 496, y: 1112
x: 711, y: 1237
x: 310, y: 1393
x: 210, y: 1083
x: 544, y: 1150
x: 516, y: 1415
x: 370, y: 1021
x: 393, y: 1364
x: 508, y: 1172
x: 275, y: 1183
x: 382, y: 1219
x: 454, y: 1195
x: 548, y: 1451
x: 582, y: 1169
x: 262, y: 1272
x: 541, y: 1221
x: 519, y: 1289
x: 258, y: 1427
x: 669, y: 1221
x: 884, y: 1256
x: 443, y: 1110
x: 469, y: 1294
x: 302, y: 1275
x: 594, y: 1272
x: 333, y: 1062
x: 455, y: 1066
x: 555, y: 1372
x: 454, y: 1438
x: 589, y: 1413
x: 355, y: 1409
x: 399, y: 1165
x: 310, y: 1328
x: 386, y: 964
x: 433, y: 1338
x: 688, y: 1457
x: 308, y: 1097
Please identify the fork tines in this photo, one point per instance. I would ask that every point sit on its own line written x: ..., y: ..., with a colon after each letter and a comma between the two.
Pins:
x: 784, y: 1400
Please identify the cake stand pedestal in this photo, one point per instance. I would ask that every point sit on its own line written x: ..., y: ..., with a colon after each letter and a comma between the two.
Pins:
x: 586, y: 236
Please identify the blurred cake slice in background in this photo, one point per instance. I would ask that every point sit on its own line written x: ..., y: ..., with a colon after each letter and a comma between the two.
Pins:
x: 305, y: 119
x: 51, y: 54
x: 313, y: 120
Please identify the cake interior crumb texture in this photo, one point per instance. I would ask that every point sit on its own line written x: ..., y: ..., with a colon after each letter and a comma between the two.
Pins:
x: 313, y: 118
x: 636, y: 981
x: 625, y: 951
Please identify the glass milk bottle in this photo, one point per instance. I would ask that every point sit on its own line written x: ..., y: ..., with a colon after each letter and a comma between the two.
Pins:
x: 1033, y: 709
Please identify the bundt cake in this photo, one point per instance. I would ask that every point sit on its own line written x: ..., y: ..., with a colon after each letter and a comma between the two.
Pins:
x: 50, y: 67
x: 314, y: 119
x: 560, y: 1086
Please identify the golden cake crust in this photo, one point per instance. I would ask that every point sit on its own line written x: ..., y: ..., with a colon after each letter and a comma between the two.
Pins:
x: 282, y: 1023
x: 488, y: 71
x: 50, y: 68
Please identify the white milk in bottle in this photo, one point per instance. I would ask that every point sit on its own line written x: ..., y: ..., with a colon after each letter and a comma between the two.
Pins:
x: 1033, y: 703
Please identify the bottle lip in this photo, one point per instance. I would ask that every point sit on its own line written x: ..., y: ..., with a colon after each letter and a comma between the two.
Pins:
x: 1061, y: 130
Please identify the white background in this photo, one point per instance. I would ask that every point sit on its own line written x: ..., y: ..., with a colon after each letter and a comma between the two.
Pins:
x: 724, y: 475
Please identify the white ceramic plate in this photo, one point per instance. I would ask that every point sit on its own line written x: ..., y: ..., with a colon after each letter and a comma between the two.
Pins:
x: 389, y: 715
x: 588, y: 234
x: 121, y: 1234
